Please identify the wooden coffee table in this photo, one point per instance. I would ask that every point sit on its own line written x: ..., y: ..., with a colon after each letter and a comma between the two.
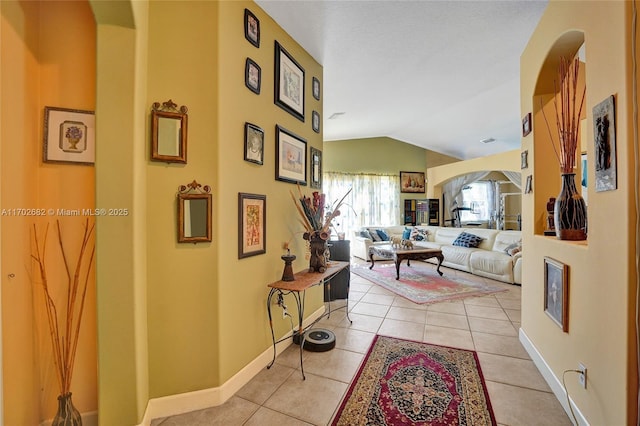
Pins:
x: 387, y: 251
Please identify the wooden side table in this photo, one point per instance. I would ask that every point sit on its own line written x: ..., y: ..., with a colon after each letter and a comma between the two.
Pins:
x: 298, y: 287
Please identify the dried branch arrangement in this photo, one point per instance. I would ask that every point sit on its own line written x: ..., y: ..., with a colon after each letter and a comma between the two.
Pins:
x: 568, y: 114
x: 64, y: 321
x: 312, y: 216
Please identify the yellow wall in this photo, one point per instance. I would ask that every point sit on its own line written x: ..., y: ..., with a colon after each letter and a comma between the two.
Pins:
x: 381, y: 155
x: 42, y: 66
x: 601, y: 295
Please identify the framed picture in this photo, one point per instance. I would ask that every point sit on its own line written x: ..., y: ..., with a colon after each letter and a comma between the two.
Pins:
x: 524, y: 159
x: 316, y: 88
x: 69, y: 136
x: 289, y: 83
x: 583, y: 179
x: 251, y: 28
x: 526, y: 124
x: 316, y: 168
x: 253, y: 143
x: 315, y: 121
x: 291, y: 157
x: 252, y: 73
x: 604, y: 133
x: 412, y: 182
x: 556, y: 292
x: 252, y: 224
x: 529, y: 185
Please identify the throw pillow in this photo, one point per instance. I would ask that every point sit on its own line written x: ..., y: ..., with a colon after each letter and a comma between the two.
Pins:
x: 374, y: 235
x: 418, y: 234
x: 467, y: 240
x: 406, y: 234
x: 383, y: 235
x: 513, y: 248
x: 364, y: 233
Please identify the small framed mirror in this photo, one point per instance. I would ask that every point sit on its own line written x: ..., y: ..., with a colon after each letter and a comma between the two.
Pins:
x: 168, y: 132
x: 194, y: 213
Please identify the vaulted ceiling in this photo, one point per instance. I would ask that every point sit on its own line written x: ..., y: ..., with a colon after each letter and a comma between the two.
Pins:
x: 443, y: 75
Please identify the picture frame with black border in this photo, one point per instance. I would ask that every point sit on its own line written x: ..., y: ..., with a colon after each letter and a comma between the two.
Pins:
x: 69, y: 136
x: 315, y: 121
x: 556, y: 292
x: 252, y: 76
x: 526, y: 124
x: 252, y: 224
x: 291, y: 157
x: 529, y: 185
x: 316, y: 168
x: 251, y: 28
x: 253, y: 144
x: 316, y: 88
x: 289, y: 83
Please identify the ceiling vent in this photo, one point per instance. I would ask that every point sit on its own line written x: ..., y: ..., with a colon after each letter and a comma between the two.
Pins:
x: 488, y: 140
x: 336, y: 115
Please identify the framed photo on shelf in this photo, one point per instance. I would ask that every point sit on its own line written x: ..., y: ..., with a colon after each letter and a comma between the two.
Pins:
x: 289, y: 83
x: 253, y: 143
x: 526, y: 124
x: 413, y: 182
x: 524, y: 159
x: 315, y: 121
x: 251, y: 28
x: 69, y: 136
x: 291, y: 157
x: 252, y: 224
x: 556, y: 292
x: 529, y: 185
x: 316, y: 168
x: 316, y: 88
x: 252, y: 76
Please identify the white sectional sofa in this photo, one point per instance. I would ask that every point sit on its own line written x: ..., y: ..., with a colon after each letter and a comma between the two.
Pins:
x: 490, y: 259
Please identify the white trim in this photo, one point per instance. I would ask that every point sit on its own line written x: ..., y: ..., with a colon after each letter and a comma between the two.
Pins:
x: 554, y: 383
x: 198, y: 400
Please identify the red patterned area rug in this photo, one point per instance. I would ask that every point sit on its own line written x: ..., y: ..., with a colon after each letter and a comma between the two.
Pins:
x: 402, y: 382
x: 420, y: 282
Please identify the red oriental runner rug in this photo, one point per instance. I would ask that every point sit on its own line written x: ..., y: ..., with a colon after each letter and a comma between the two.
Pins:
x: 421, y: 284
x: 401, y: 382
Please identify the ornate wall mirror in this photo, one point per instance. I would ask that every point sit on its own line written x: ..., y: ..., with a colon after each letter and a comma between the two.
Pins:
x: 194, y: 213
x: 168, y: 132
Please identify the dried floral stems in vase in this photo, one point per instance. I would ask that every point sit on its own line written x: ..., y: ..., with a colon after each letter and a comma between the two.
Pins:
x: 312, y: 215
x: 64, y: 321
x: 568, y: 114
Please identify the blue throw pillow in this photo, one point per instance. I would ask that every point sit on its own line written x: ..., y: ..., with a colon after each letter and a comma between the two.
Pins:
x: 383, y: 235
x: 467, y: 240
x: 365, y: 234
x: 406, y: 234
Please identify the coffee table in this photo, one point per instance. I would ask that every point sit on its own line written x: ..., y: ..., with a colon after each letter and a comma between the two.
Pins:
x: 387, y: 251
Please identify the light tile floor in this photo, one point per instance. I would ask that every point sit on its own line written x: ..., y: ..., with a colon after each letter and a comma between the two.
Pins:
x: 489, y: 325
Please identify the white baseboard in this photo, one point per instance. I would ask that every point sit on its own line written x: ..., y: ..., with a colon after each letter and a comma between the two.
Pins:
x: 554, y: 383
x: 198, y: 400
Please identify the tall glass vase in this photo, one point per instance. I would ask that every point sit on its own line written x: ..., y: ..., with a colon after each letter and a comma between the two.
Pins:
x: 67, y: 414
x: 570, y: 211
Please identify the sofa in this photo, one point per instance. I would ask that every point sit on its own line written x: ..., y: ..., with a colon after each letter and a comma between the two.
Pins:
x: 498, y: 254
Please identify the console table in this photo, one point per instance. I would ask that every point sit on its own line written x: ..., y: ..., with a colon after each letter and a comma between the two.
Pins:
x: 298, y: 287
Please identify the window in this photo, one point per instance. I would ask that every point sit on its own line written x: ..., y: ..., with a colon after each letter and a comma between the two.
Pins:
x: 478, y: 197
x: 374, y: 200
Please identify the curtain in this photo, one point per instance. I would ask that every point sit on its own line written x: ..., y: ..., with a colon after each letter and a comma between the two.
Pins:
x: 452, y: 190
x: 374, y: 199
x: 514, y: 177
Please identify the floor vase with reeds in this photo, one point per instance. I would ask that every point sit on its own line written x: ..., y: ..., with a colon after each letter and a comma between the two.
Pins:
x: 570, y: 211
x: 67, y: 414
